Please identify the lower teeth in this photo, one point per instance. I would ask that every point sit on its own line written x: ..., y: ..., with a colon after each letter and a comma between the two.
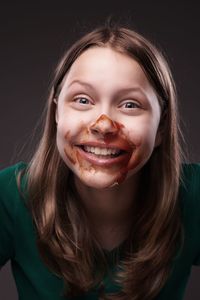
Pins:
x: 103, y: 156
x: 100, y: 155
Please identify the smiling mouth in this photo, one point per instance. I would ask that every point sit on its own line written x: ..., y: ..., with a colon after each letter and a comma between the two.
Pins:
x: 104, y: 153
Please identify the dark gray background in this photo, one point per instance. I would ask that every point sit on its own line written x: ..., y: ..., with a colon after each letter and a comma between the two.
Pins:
x: 33, y: 36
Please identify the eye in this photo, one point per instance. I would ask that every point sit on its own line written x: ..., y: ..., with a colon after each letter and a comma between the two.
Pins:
x: 81, y: 100
x: 130, y: 105
x: 81, y: 103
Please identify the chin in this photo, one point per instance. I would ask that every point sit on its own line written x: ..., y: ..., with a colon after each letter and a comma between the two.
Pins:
x: 99, y: 184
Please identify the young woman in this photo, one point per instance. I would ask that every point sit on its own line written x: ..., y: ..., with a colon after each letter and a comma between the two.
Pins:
x: 105, y: 209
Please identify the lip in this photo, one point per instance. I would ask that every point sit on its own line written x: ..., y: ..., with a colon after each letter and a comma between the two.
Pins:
x: 107, y: 162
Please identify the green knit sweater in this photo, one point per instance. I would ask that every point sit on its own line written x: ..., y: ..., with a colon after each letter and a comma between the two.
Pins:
x: 33, y: 279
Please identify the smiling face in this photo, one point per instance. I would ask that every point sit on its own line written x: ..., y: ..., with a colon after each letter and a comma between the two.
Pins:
x: 107, y: 118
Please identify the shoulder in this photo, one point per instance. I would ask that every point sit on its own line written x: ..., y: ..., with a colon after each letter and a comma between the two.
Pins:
x: 190, y: 183
x: 10, y: 172
x: 190, y: 172
x: 10, y: 203
x: 189, y: 191
x: 189, y: 194
x: 8, y: 183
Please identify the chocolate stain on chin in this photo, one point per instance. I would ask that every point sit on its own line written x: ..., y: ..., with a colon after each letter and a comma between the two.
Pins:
x: 130, y: 166
x: 116, y: 137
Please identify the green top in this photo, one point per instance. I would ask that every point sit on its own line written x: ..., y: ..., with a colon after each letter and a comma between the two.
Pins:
x: 35, y: 281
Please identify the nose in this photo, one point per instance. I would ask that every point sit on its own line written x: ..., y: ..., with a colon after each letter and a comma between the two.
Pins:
x: 104, y: 125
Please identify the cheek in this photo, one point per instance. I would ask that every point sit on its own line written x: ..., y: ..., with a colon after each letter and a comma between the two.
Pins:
x: 142, y: 134
x: 143, y: 138
x: 66, y: 121
x: 68, y: 125
x: 65, y: 129
x: 69, y: 131
x: 65, y: 149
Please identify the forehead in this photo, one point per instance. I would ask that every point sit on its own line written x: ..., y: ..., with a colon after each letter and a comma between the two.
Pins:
x: 109, y: 74
x: 104, y: 63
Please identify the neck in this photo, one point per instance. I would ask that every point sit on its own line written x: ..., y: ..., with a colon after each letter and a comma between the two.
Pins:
x: 111, y: 206
x: 110, y: 211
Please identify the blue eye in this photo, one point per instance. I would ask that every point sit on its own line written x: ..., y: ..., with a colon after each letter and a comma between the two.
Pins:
x: 84, y: 100
x: 131, y: 105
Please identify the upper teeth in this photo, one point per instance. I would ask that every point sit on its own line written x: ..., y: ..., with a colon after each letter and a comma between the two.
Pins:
x: 101, y: 151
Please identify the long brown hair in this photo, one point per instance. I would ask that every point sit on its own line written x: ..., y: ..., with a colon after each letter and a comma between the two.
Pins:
x: 64, y: 236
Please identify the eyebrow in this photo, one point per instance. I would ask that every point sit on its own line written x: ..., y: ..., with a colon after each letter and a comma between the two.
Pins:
x: 126, y: 90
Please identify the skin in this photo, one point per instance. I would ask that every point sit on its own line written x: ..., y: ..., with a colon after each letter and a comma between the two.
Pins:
x: 106, y: 113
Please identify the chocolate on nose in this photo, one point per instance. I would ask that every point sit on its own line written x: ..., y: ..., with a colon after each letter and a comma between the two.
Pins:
x: 104, y: 125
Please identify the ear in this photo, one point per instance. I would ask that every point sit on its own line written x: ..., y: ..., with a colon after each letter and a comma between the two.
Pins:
x: 56, y: 111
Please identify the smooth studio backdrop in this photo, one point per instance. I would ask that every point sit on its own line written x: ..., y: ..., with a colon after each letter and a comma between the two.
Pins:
x: 35, y: 34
